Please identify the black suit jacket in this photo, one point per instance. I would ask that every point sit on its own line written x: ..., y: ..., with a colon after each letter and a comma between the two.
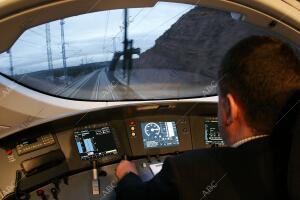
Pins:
x: 247, y: 172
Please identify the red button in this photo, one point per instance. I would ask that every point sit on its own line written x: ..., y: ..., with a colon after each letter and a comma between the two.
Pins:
x: 9, y: 152
x: 131, y: 122
x: 40, y: 192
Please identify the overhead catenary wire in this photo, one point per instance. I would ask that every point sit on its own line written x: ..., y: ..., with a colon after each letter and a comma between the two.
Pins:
x: 165, y: 22
x: 143, y: 17
x: 129, y: 22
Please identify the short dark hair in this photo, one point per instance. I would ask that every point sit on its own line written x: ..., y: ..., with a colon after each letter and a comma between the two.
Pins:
x: 261, y: 73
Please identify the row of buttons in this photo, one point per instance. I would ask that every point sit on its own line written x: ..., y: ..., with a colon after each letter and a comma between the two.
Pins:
x: 132, y: 127
x: 44, y: 141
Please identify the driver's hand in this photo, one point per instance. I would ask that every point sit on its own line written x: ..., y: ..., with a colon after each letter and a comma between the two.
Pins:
x: 124, y: 168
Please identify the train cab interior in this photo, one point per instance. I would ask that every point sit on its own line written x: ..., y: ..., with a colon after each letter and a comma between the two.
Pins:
x: 85, y: 84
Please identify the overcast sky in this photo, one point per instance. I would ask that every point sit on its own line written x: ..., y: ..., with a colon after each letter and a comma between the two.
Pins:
x: 89, y: 37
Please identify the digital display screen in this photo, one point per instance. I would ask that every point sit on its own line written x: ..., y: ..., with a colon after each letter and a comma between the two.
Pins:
x: 212, y: 133
x: 96, y: 143
x: 159, y: 134
x: 27, y: 141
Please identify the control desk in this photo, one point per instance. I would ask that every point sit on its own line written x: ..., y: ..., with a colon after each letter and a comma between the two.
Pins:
x: 76, y: 156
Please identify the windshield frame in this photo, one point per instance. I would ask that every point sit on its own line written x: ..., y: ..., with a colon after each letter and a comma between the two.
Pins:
x: 91, y: 100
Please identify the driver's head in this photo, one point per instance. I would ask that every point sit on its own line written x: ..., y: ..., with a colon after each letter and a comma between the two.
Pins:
x: 256, y: 78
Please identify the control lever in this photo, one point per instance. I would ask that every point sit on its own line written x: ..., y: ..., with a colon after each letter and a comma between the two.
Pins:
x: 56, y: 183
x: 54, y: 193
x: 17, y: 193
x: 95, y: 181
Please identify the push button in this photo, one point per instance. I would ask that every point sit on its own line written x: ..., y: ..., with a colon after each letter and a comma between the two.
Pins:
x: 9, y: 152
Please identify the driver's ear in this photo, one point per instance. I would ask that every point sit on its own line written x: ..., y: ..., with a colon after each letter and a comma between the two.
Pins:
x: 231, y: 109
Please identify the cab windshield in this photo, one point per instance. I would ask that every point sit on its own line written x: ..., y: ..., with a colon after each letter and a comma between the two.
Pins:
x: 169, y: 51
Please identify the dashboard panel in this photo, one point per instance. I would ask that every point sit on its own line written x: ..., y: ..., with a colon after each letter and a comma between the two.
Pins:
x: 49, y: 156
x: 97, y: 142
x: 157, y: 135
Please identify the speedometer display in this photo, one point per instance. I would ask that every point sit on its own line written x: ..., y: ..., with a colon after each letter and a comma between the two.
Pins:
x: 159, y: 134
x: 151, y: 129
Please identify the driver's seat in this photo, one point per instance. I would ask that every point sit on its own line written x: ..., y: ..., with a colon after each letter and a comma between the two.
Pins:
x: 286, y: 141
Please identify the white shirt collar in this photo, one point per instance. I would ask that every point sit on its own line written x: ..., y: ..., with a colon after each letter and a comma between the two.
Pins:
x: 239, y: 143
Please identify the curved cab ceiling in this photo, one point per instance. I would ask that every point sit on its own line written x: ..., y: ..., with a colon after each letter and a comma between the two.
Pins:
x: 18, y: 15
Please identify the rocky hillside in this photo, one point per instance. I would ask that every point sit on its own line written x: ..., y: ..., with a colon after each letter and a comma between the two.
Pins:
x: 197, y: 42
